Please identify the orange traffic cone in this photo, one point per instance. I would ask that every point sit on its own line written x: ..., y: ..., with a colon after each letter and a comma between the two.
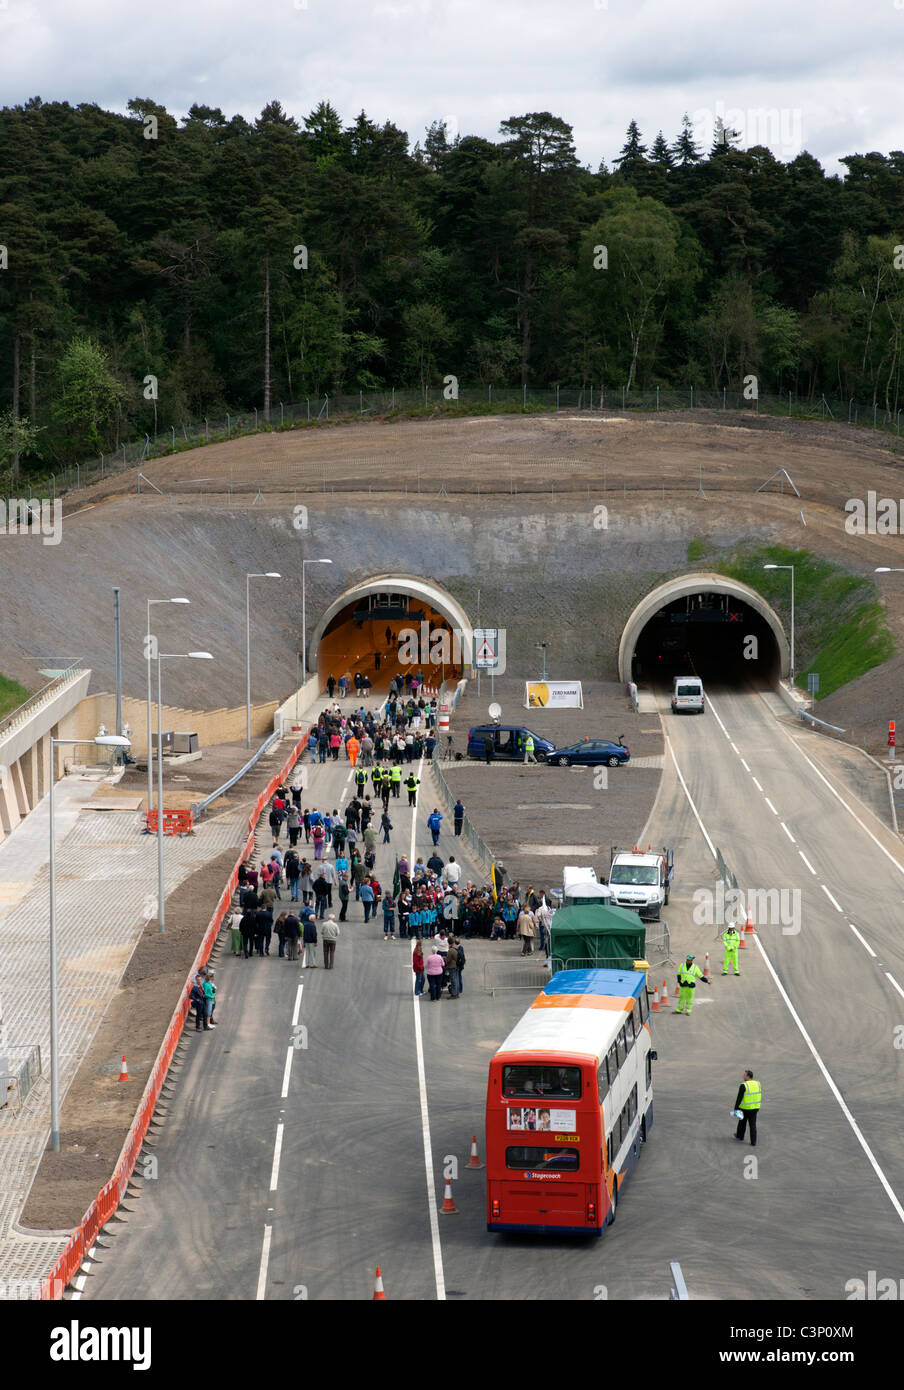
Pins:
x: 742, y: 943
x: 474, y: 1160
x: 706, y: 974
x: 664, y: 996
x: 748, y: 926
x: 448, y: 1207
x: 656, y: 1000
x: 124, y: 1074
x: 379, y: 1294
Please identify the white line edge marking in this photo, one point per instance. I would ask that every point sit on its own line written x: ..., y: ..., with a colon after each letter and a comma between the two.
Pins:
x: 834, y: 901
x: 788, y: 832
x: 771, y: 807
x: 286, y: 1074
x: 432, y: 1212
x: 736, y: 749
x: 806, y: 861
x: 265, y: 1260
x: 895, y: 983
x: 745, y: 767
x: 297, y: 1009
x: 274, y: 1176
x: 838, y: 797
x: 757, y: 785
x: 861, y: 1139
x: 80, y: 1281
x: 862, y: 939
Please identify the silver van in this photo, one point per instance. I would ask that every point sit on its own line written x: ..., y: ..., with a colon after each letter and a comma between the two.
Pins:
x: 687, y: 695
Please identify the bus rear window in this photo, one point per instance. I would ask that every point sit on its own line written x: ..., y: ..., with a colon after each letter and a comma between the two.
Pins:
x: 552, y: 1083
x: 542, y: 1160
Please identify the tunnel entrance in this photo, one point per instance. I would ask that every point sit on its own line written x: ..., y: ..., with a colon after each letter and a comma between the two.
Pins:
x: 393, y: 625
x: 709, y: 625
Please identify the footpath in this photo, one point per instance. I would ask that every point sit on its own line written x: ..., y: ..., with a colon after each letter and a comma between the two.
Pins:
x: 106, y: 877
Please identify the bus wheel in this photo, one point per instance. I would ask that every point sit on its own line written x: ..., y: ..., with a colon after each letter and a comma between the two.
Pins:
x: 614, y: 1206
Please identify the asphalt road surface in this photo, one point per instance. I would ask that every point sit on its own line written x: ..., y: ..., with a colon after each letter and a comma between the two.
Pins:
x: 363, y: 1131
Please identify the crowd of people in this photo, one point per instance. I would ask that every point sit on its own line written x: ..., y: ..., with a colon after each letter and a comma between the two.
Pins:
x: 403, y: 729
x: 301, y: 892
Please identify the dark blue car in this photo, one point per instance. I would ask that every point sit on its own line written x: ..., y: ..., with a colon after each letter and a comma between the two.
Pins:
x: 590, y: 752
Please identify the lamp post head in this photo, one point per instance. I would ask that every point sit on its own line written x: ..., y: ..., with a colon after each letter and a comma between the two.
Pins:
x: 111, y: 741
x: 200, y: 656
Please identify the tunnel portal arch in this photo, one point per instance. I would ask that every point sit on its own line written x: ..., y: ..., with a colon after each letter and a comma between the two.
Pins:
x: 684, y: 586
x: 425, y: 592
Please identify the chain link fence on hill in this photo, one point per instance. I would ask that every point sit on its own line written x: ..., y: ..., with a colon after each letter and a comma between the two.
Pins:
x: 600, y: 399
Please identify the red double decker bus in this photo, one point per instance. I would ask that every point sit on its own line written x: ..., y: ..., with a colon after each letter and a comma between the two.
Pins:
x: 569, y: 1104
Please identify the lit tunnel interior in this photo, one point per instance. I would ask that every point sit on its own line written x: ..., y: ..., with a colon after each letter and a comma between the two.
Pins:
x: 717, y: 636
x: 364, y: 636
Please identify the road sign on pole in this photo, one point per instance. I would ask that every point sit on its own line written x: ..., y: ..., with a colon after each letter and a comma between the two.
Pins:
x: 486, y: 648
x: 813, y: 682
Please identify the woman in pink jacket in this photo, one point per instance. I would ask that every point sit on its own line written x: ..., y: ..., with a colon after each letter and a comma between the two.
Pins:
x: 435, y: 968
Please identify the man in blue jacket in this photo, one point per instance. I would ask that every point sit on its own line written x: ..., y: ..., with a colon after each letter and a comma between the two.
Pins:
x: 434, y: 821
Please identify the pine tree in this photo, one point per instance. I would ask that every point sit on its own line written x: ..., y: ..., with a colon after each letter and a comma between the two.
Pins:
x: 684, y: 149
x: 724, y: 138
x: 633, y: 151
x: 660, y: 153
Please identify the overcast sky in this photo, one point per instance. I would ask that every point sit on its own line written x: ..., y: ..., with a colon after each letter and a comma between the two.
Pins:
x: 822, y: 75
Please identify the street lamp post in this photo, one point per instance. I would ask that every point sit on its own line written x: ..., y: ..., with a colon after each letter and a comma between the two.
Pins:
x: 161, y: 657
x: 148, y: 647
x: 304, y: 623
x: 791, y: 568
x: 102, y: 741
x: 267, y: 574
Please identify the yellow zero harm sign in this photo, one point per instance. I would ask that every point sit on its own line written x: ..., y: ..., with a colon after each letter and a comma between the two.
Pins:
x: 568, y: 1139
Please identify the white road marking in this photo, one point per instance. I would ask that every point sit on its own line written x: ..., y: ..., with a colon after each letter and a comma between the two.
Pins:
x: 719, y: 722
x: 428, y: 1154
x: 834, y: 901
x: 736, y: 749
x: 265, y: 1260
x: 80, y: 1281
x: 862, y: 940
x: 432, y: 1210
x: 895, y: 983
x: 838, y: 797
x: 771, y: 807
x: 756, y: 783
x: 297, y: 1009
x: 788, y: 833
x: 274, y: 1176
x: 712, y: 847
x: 806, y: 861
x: 746, y: 767
x: 858, y: 1133
x: 286, y: 1074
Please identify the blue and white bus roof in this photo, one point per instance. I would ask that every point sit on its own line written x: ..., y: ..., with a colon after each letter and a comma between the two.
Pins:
x: 578, y: 1013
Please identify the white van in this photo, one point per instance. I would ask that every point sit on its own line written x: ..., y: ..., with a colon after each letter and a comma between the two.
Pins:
x: 580, y: 885
x: 687, y: 695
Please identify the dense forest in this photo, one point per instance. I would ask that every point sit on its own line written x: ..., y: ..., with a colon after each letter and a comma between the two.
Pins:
x: 154, y: 269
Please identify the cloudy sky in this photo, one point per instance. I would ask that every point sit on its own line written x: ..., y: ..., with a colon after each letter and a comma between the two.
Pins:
x: 822, y: 75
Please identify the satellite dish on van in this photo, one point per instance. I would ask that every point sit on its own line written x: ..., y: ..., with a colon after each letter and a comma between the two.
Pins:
x: 495, y: 711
